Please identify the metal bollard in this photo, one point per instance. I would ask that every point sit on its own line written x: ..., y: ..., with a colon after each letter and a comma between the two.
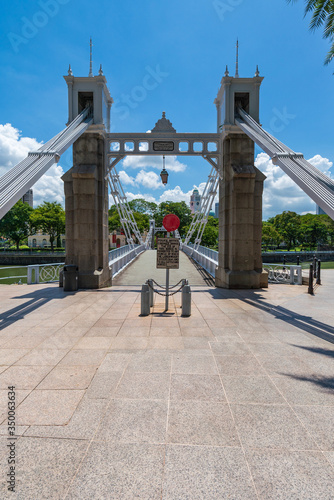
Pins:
x: 186, y: 301
x: 314, y: 266
x: 310, y: 281
x: 318, y: 273
x: 150, y: 285
x: 145, y: 300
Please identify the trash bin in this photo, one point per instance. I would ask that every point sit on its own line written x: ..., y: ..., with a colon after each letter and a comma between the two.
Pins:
x: 70, y: 278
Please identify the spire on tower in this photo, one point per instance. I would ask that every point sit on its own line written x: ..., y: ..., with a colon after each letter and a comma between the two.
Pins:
x: 226, y: 71
x: 237, y: 61
x: 257, y: 72
x: 70, y: 72
x: 91, y: 59
x: 100, y: 70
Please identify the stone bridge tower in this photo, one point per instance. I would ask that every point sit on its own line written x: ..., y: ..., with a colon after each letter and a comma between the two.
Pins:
x: 240, y: 189
x: 86, y: 189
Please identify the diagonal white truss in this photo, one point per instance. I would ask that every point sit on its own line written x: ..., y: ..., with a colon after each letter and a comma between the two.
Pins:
x: 16, y: 182
x: 124, y: 211
x: 201, y: 218
x: 318, y: 186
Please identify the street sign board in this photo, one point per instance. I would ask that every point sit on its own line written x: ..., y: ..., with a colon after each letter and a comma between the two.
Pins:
x: 168, y: 253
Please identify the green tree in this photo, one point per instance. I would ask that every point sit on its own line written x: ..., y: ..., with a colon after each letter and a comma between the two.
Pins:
x: 270, y: 236
x: 210, y: 236
x: 287, y: 225
x: 15, y: 225
x: 313, y: 230
x: 114, y: 222
x: 323, y: 15
x: 142, y: 220
x: 50, y: 218
x: 144, y: 207
x: 180, y: 209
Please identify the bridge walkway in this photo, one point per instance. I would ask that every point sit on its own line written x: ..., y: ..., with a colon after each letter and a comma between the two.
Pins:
x: 144, y: 267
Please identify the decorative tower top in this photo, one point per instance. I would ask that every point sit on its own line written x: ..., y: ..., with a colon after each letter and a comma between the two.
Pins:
x: 91, y: 59
x: 237, y: 61
x: 70, y: 72
x: 100, y: 70
x: 163, y: 125
x: 257, y: 72
x: 226, y: 71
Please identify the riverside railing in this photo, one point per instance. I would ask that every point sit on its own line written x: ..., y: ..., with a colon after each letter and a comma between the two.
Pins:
x: 280, y: 273
x: 277, y: 273
x: 44, y: 273
x: 120, y: 258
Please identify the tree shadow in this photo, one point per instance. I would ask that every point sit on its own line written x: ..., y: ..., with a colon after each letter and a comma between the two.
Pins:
x: 317, y: 350
x: 258, y: 300
x: 326, y: 383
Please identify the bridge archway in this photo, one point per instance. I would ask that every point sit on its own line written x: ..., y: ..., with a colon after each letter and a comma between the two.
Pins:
x: 228, y: 151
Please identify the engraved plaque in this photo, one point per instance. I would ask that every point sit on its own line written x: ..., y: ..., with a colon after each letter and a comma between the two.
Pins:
x: 163, y: 146
x: 168, y: 253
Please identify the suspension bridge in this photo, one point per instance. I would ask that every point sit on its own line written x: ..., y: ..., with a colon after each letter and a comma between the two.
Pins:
x: 229, y: 151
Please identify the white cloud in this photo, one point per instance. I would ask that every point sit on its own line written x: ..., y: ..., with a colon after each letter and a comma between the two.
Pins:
x: 322, y: 164
x: 149, y: 180
x: 50, y: 187
x: 172, y: 163
x: 280, y: 192
x: 13, y: 147
x: 125, y: 178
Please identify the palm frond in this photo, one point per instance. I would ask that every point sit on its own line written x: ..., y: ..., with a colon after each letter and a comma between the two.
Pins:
x: 330, y: 55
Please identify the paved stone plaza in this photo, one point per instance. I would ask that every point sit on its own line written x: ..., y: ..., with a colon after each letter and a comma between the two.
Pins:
x: 235, y: 402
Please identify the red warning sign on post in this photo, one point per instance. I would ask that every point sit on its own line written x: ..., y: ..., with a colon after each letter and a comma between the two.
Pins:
x: 171, y: 222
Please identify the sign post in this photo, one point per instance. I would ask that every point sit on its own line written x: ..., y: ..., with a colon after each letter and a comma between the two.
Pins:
x: 168, y: 250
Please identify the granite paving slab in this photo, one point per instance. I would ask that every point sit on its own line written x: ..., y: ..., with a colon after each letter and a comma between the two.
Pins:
x: 233, y: 402
x: 204, y: 472
x: 114, y: 471
x: 296, y: 475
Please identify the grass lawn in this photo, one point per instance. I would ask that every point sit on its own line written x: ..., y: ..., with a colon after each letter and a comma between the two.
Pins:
x: 15, y: 271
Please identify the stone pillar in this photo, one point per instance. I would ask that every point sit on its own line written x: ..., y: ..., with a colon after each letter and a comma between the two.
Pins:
x: 86, y: 206
x: 240, y: 217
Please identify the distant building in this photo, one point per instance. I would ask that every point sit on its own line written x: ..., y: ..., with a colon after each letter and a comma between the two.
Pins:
x: 195, y: 202
x: 217, y: 210
x: 319, y: 211
x: 117, y: 240
x: 28, y: 198
x: 41, y: 240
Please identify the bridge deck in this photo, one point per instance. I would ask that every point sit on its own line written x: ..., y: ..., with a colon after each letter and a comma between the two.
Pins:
x: 144, y: 267
x: 236, y: 401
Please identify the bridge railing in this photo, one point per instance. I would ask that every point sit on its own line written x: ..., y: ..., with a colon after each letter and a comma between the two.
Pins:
x: 277, y: 273
x: 123, y: 256
x: 204, y: 256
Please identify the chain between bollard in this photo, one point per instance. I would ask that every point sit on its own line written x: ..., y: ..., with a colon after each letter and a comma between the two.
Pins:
x: 183, y: 282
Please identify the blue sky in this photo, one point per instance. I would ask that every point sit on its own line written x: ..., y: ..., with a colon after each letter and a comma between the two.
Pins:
x: 189, y: 43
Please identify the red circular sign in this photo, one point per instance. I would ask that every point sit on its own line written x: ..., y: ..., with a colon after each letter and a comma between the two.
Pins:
x: 171, y: 222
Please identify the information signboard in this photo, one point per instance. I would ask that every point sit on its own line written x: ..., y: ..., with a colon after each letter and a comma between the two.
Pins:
x: 168, y: 253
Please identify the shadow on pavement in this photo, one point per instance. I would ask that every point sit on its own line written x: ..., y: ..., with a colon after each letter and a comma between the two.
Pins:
x: 301, y: 321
